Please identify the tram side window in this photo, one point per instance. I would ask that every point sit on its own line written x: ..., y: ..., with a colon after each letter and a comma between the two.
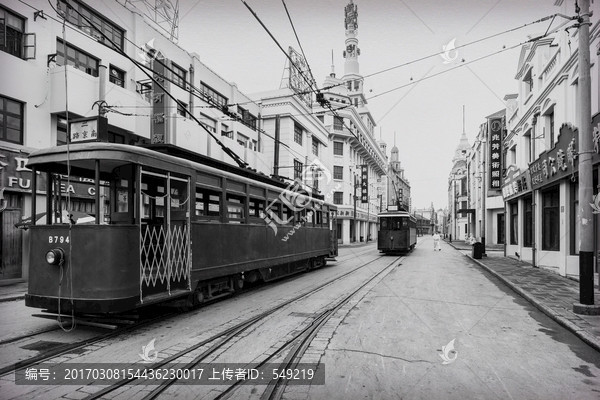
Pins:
x: 235, y: 208
x: 179, y: 199
x: 273, y: 210
x: 288, y: 215
x: 384, y: 223
x: 208, y: 203
x: 256, y: 207
x: 122, y: 195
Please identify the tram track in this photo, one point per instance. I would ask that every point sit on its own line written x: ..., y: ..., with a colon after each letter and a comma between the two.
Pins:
x: 298, y: 342
x: 70, y: 347
x: 28, y: 335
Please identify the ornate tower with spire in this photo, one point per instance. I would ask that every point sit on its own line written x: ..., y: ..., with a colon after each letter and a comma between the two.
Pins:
x: 352, y: 51
x: 352, y: 76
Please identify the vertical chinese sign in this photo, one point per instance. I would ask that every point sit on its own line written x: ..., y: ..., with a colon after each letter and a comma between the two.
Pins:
x: 364, y: 184
x: 159, y: 101
x: 495, y: 161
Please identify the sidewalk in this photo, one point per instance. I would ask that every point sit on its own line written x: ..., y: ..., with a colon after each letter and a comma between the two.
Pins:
x: 12, y: 289
x: 552, y: 294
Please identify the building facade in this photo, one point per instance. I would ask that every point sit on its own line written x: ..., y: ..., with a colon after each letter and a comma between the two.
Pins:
x: 52, y: 77
x: 359, y: 165
x: 484, y: 181
x: 398, y: 186
x: 458, y: 220
x: 541, y: 149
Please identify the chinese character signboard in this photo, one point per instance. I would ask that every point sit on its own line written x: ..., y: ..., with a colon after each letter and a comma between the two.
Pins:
x: 516, y: 184
x: 495, y: 161
x: 364, y: 184
x: 557, y: 163
x: 88, y: 130
x: 300, y: 77
x: 159, y: 100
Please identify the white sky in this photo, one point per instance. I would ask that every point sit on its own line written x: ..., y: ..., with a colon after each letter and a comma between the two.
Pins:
x: 426, y: 116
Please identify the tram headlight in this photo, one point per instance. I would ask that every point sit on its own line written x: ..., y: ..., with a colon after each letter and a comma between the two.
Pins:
x: 55, y: 256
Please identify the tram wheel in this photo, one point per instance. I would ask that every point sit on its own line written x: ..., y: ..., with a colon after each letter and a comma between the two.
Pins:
x: 238, y: 283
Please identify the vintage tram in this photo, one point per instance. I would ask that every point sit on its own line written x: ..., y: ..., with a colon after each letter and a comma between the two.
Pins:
x: 162, y: 224
x: 397, y: 232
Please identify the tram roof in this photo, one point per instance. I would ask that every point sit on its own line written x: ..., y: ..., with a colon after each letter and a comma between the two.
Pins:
x: 394, y: 214
x: 153, y: 155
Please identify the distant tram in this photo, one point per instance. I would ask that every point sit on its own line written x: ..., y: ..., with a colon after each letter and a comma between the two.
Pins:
x: 397, y: 232
x: 160, y: 224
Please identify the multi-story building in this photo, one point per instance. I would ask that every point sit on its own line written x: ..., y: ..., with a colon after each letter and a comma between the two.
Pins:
x: 297, y: 147
x: 427, y: 220
x: 484, y: 179
x: 541, y: 151
x: 53, y: 76
x: 458, y: 221
x: 358, y: 162
x: 398, y: 186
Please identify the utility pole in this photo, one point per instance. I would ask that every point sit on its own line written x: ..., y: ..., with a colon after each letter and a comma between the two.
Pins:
x: 586, y: 229
x: 276, y: 152
x: 354, y: 200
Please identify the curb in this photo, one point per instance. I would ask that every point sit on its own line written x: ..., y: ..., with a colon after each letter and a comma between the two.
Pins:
x: 11, y: 298
x: 586, y: 337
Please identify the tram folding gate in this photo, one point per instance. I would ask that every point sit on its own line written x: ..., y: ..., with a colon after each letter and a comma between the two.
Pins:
x: 165, y: 250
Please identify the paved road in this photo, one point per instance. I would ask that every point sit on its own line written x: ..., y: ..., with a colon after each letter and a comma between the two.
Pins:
x: 389, y: 346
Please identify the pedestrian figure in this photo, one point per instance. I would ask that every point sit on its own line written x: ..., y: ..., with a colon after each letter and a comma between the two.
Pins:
x: 436, y: 242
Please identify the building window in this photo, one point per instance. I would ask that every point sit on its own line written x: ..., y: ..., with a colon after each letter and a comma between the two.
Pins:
x: 297, y: 169
x: 116, y: 76
x: 247, y: 118
x: 12, y: 29
x: 338, y: 123
x: 551, y: 128
x: 93, y: 23
x: 315, y: 147
x: 61, y: 131
x: 550, y: 220
x: 76, y: 58
x: 338, y: 197
x: 528, y: 83
x: 338, y: 148
x: 242, y: 140
x: 338, y: 172
x: 116, y: 138
x: 226, y: 132
x: 321, y: 118
x: 210, y: 124
x: 514, y: 222
x: 528, y: 221
x: 297, y: 133
x: 11, y: 120
x: 178, y: 75
x: 182, y: 109
x: 463, y: 186
x: 212, y: 96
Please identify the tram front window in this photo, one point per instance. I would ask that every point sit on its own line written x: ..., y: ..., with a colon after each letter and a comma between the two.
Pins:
x: 398, y: 223
x: 72, y: 199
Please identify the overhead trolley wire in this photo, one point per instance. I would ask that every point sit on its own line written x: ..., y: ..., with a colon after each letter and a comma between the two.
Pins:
x: 241, y: 163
